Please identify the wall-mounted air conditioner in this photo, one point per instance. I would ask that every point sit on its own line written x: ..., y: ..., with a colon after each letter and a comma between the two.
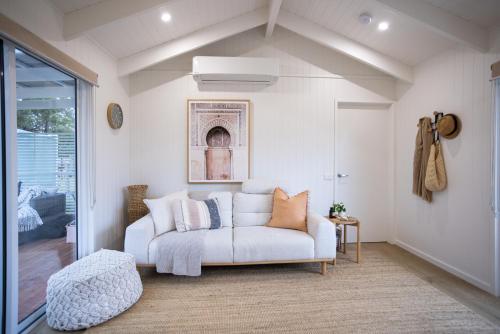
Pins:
x: 235, y: 70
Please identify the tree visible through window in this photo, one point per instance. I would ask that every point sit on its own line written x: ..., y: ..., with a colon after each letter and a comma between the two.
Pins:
x: 46, y: 120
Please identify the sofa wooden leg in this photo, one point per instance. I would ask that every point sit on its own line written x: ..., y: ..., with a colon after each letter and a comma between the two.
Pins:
x: 323, y: 268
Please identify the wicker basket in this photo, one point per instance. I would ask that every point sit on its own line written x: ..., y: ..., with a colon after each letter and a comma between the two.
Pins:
x: 136, y: 207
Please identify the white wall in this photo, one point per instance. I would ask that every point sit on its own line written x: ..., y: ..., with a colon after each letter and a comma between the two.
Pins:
x: 112, y: 146
x: 456, y: 230
x: 292, y: 132
x: 292, y: 136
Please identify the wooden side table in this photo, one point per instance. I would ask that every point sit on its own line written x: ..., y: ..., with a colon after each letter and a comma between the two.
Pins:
x: 351, y: 221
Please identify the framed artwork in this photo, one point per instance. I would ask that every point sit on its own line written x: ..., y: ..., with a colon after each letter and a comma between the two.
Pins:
x: 218, y: 143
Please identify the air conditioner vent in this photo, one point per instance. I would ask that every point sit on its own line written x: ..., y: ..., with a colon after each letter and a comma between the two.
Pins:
x: 235, y: 70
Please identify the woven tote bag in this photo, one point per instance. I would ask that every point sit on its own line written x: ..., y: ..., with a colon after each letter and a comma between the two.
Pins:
x: 435, y: 176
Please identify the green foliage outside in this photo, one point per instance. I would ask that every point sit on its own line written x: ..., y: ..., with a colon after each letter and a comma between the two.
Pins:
x: 46, y: 120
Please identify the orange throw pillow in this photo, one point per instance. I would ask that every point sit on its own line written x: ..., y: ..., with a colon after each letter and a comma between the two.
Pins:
x: 289, y: 212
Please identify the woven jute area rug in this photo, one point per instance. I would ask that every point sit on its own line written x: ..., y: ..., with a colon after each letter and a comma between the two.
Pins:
x: 377, y: 296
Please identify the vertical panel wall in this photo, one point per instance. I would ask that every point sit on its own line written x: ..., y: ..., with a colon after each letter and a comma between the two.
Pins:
x: 456, y: 230
x: 292, y: 122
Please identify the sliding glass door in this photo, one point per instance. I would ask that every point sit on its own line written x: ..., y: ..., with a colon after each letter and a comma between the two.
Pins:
x: 46, y: 173
x: 42, y: 227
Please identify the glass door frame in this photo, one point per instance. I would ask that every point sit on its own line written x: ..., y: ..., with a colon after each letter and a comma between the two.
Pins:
x: 3, y: 277
x: 10, y: 172
x: 495, y: 179
x: 10, y: 248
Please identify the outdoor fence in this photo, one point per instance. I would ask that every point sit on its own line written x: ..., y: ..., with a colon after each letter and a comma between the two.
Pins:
x: 49, y: 161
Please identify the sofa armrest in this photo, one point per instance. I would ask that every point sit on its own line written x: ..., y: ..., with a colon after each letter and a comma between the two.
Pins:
x: 323, y: 233
x: 137, y: 238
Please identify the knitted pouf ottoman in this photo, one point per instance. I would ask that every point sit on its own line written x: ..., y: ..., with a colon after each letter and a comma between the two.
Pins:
x: 92, y: 290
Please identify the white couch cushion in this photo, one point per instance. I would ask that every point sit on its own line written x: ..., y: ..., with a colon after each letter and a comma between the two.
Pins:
x: 218, y: 246
x: 260, y: 186
x: 262, y: 243
x: 137, y: 238
x: 252, y: 209
x: 323, y: 233
x: 225, y: 199
x: 161, y: 211
x: 257, y: 186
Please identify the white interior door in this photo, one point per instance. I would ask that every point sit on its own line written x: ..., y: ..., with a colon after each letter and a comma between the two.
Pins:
x: 363, y: 165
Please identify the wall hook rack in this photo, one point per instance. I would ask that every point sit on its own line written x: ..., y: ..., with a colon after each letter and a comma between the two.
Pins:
x: 437, y: 117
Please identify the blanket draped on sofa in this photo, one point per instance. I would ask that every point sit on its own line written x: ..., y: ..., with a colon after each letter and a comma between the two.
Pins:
x: 181, y: 253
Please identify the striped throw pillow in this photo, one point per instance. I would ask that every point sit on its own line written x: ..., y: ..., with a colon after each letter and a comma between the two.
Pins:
x: 195, y: 215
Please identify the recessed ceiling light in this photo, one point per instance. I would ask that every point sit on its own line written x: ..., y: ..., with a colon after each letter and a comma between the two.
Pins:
x: 365, y: 18
x: 382, y: 26
x: 166, y: 17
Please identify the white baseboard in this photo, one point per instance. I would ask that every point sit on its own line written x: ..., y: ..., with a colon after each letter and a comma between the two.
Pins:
x: 452, y: 270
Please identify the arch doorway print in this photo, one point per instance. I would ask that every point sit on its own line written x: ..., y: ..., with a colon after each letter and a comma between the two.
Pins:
x: 218, y: 155
x: 218, y: 141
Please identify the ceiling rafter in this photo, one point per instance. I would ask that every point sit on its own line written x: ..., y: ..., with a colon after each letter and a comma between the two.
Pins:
x: 195, y: 40
x: 345, y: 45
x: 274, y: 10
x: 441, y: 22
x: 78, y: 22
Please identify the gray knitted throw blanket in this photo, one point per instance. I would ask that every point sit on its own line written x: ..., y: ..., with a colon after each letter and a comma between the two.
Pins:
x: 181, y: 253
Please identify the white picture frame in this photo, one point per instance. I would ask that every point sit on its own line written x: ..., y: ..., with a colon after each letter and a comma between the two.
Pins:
x: 218, y: 140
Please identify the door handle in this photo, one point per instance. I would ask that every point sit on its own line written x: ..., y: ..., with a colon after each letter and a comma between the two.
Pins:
x: 342, y: 175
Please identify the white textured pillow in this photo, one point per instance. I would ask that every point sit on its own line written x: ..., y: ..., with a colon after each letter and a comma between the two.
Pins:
x: 192, y: 215
x: 161, y: 211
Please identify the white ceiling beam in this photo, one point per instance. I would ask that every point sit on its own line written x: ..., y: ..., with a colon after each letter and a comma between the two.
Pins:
x: 274, y: 10
x: 345, y: 45
x: 441, y: 22
x: 78, y: 22
x: 193, y: 41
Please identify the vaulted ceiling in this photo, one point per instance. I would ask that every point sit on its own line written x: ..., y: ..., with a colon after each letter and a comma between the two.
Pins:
x: 133, y: 32
x: 485, y: 13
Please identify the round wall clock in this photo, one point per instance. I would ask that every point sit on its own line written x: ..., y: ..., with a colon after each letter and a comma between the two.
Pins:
x: 115, y: 116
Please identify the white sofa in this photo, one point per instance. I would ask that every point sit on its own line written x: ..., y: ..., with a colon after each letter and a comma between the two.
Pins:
x: 244, y: 239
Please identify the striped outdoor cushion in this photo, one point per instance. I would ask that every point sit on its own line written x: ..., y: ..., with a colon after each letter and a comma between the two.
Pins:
x: 194, y: 215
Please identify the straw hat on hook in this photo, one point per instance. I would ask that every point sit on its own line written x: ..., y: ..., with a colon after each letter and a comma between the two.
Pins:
x: 449, y: 126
